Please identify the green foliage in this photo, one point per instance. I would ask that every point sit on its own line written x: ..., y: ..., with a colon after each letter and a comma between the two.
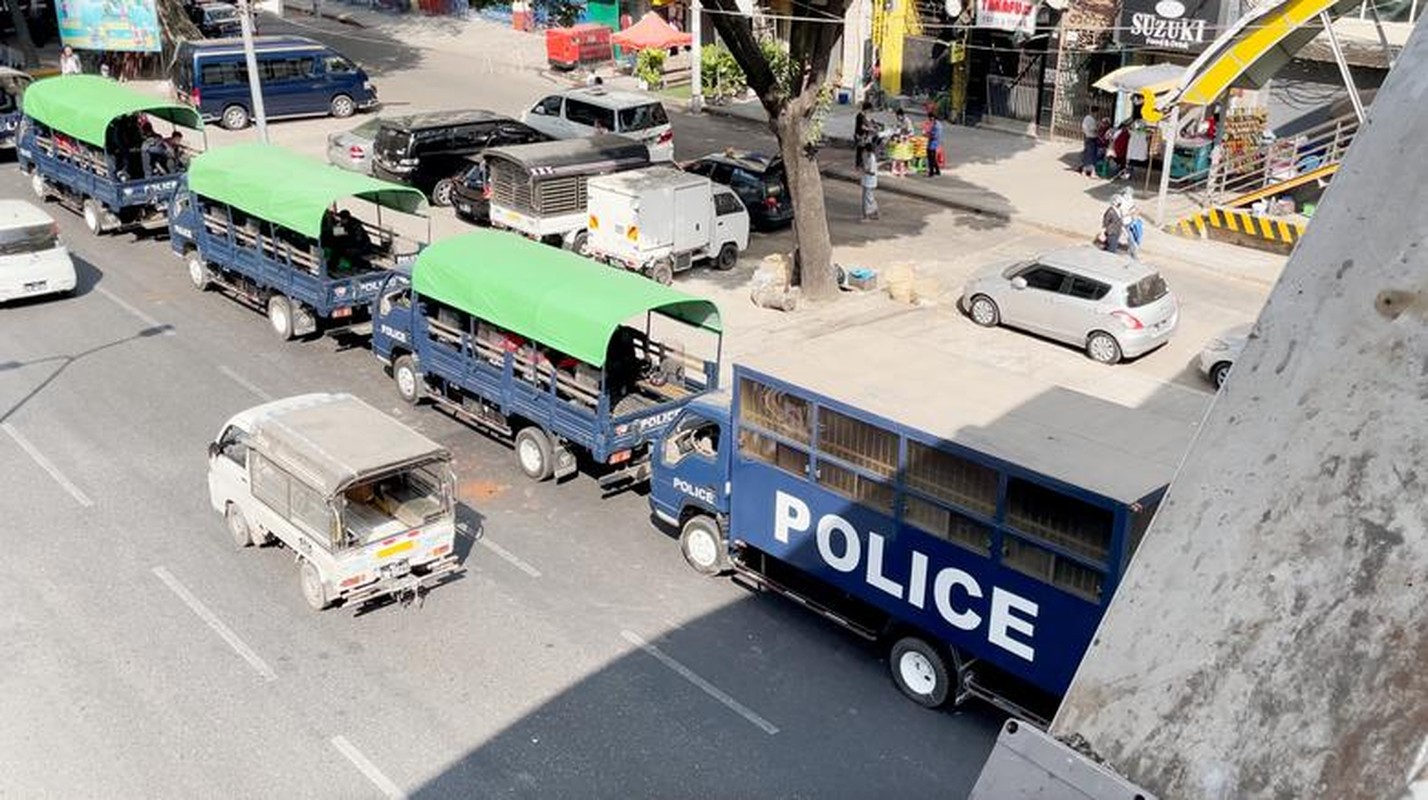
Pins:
x: 719, y: 72
x: 785, y: 72
x: 649, y: 67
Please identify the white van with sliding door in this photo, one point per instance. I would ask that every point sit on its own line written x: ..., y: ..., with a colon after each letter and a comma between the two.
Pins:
x: 364, y: 502
x: 32, y: 260
x: 577, y: 113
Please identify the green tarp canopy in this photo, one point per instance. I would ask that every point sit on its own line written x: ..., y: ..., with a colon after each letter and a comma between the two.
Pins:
x: 82, y: 106
x: 545, y: 294
x: 287, y: 189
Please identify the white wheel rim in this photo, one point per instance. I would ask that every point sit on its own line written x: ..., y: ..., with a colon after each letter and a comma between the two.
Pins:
x: 195, y: 271
x: 982, y: 312
x: 443, y: 194
x: 343, y: 106
x: 917, y: 673
x: 91, y: 218
x: 234, y: 118
x: 530, y: 457
x: 280, y: 319
x: 1103, y: 349
x: 702, y: 548
x: 311, y: 586
x: 406, y: 382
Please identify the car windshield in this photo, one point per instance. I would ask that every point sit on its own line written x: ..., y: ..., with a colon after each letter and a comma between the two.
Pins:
x: 1146, y: 291
x: 28, y: 239
x: 643, y: 117
x: 221, y: 14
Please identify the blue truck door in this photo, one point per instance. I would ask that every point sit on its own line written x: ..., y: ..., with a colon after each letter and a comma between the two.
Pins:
x: 692, y: 466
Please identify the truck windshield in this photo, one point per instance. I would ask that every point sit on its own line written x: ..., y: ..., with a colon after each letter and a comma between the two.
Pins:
x: 394, y: 503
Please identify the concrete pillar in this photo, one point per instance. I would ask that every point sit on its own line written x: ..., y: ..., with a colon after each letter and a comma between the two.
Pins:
x: 1271, y: 637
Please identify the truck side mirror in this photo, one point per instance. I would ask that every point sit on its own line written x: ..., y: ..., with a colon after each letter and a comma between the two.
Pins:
x: 1018, y: 282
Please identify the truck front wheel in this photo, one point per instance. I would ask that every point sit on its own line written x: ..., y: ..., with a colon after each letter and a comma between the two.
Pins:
x: 662, y: 272
x: 920, y: 671
x: 314, y: 591
x: 404, y: 372
x: 280, y: 316
x: 533, y: 453
x: 703, y: 546
x: 238, y: 526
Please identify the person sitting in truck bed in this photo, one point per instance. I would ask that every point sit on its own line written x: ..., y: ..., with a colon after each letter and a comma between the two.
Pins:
x: 347, y: 241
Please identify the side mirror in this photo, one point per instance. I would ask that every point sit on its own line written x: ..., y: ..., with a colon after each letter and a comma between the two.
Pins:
x: 1018, y: 282
x: 538, y: 110
x: 213, y: 449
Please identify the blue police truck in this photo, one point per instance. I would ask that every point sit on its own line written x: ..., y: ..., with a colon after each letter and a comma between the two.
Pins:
x: 562, y: 355
x: 980, y: 548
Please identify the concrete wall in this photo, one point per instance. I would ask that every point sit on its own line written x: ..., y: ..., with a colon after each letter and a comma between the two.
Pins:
x: 1271, y: 638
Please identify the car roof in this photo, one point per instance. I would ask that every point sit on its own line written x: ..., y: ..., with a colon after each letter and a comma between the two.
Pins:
x: 21, y: 212
x: 217, y: 6
x: 425, y: 120
x: 745, y: 159
x: 609, y: 98
x: 1093, y: 262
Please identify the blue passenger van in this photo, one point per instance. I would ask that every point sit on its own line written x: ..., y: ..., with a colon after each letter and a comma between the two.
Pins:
x: 300, y: 77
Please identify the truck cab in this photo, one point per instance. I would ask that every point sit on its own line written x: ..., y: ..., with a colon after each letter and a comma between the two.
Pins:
x: 689, y: 480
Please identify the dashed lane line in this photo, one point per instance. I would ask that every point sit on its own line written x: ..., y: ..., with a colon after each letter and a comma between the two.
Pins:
x: 708, y: 688
x: 224, y: 632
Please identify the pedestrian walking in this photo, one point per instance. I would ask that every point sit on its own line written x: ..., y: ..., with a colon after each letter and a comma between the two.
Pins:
x: 69, y: 62
x: 1090, y: 143
x: 934, y: 145
x: 1112, y: 227
x: 862, y: 133
x: 869, y: 182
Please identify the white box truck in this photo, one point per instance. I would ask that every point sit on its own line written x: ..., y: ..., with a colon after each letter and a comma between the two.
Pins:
x: 660, y: 220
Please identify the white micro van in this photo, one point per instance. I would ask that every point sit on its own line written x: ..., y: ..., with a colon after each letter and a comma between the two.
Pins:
x: 32, y: 260
x: 365, y: 502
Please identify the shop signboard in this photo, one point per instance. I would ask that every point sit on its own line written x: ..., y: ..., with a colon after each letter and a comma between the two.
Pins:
x: 1007, y: 15
x: 1188, y: 26
x: 112, y: 25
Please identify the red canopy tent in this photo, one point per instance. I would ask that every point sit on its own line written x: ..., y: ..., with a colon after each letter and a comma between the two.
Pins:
x: 651, y: 32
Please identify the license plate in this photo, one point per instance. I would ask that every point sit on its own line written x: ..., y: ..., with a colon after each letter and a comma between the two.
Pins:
x: 36, y: 286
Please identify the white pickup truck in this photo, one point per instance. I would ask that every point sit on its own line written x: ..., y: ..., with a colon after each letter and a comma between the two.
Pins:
x: 660, y: 220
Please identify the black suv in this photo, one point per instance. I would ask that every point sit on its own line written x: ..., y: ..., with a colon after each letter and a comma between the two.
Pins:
x: 429, y: 151
x: 758, y: 180
x: 217, y: 20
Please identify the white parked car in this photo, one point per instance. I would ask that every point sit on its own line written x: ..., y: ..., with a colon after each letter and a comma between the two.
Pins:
x: 1221, y: 353
x: 577, y: 113
x: 32, y: 260
x: 1110, y: 305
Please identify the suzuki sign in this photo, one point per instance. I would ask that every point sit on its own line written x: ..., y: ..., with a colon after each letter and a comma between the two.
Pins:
x: 1184, y: 25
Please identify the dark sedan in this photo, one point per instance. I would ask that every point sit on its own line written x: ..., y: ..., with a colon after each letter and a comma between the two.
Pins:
x: 759, y: 180
x: 470, y: 195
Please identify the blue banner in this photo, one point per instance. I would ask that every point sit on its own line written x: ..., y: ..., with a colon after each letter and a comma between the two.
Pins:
x: 113, y: 25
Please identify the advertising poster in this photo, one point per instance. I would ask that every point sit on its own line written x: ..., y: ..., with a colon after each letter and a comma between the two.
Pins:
x: 1007, y: 15
x: 113, y: 25
x: 1186, y: 25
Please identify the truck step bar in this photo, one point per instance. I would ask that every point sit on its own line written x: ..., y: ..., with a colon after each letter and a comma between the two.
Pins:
x: 750, y: 578
x: 491, y: 420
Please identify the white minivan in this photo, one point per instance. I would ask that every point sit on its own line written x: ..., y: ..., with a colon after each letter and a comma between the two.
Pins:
x: 365, y: 503
x: 577, y: 113
x: 32, y: 260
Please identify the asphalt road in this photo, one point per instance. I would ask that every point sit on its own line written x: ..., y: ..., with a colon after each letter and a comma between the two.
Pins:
x: 149, y: 657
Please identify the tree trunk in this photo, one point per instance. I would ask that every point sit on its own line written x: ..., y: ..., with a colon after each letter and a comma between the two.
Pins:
x: 815, y: 271
x: 22, y: 35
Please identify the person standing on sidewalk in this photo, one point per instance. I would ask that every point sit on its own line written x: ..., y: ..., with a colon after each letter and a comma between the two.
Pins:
x: 1112, y: 226
x: 1090, y: 143
x: 934, y: 145
x: 869, y: 181
x: 69, y: 62
x: 862, y: 133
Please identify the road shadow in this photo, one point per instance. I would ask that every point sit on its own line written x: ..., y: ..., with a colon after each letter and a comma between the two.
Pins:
x: 378, y: 52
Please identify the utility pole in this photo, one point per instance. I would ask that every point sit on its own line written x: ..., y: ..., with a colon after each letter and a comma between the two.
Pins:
x: 696, y: 66
x: 255, y: 81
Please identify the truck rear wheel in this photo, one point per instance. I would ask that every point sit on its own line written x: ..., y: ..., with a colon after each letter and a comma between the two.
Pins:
x: 578, y: 242
x: 198, y: 272
x: 280, y: 316
x: 534, y: 453
x: 920, y: 671
x: 662, y: 272
x: 703, y: 546
x: 314, y: 591
x: 93, y: 216
x: 404, y: 372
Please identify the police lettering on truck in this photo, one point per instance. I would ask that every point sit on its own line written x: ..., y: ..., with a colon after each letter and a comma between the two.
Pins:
x: 959, y: 598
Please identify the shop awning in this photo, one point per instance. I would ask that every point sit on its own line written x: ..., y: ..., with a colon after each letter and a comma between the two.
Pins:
x: 1158, y: 78
x: 651, y: 32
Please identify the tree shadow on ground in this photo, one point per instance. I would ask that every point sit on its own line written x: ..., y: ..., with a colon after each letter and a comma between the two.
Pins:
x: 376, y: 51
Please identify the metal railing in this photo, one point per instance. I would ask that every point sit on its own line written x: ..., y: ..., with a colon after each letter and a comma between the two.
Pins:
x: 1274, y: 162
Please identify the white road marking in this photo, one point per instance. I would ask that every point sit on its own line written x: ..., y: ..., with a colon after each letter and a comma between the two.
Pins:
x: 223, y: 631
x: 369, y: 769
x: 46, y: 465
x: 709, y: 688
x: 144, y: 318
x: 246, y: 384
x: 514, y: 560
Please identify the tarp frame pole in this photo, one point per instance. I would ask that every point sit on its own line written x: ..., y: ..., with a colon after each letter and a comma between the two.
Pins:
x: 1168, y: 136
x: 1382, y: 37
x: 1343, y: 66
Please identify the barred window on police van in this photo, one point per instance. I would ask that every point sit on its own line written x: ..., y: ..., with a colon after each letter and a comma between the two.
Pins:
x: 856, y: 487
x: 270, y: 483
x: 958, y: 481
x: 758, y: 447
x: 947, y: 524
x: 1078, y: 526
x: 1048, y: 567
x: 857, y: 442
x: 775, y: 410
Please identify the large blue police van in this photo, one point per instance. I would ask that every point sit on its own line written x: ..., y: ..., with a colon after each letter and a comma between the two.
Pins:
x: 981, y: 553
x: 300, y: 77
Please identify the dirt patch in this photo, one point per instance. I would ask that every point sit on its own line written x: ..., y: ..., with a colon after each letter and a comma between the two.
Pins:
x: 477, y: 490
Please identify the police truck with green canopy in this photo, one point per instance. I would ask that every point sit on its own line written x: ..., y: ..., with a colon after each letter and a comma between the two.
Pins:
x: 539, y: 344
x: 83, y: 140
x: 271, y: 227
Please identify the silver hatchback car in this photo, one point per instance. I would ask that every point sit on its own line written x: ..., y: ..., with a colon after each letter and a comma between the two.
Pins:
x: 1113, y: 306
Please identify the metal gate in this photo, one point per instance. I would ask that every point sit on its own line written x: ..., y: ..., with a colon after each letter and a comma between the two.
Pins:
x: 1012, y: 98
